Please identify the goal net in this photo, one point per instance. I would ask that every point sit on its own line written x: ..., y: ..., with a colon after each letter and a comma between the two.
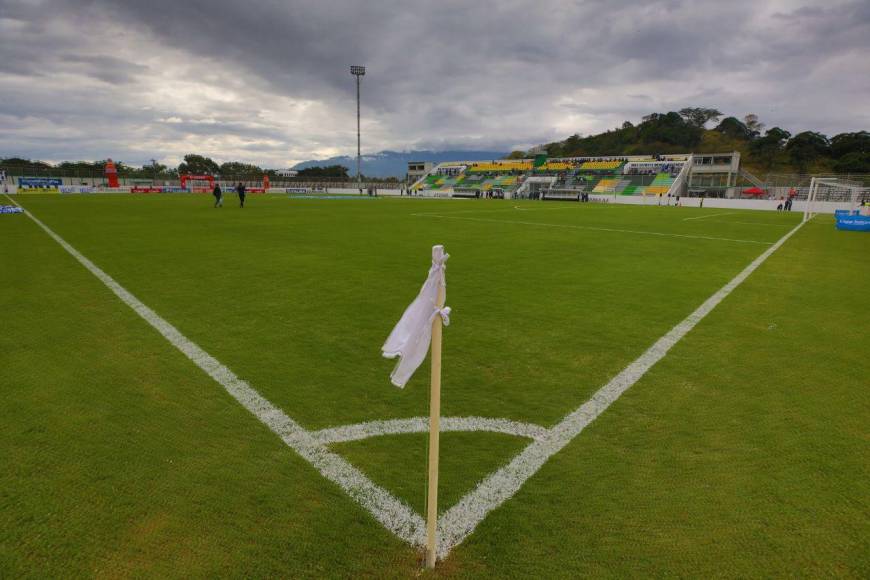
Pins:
x: 831, y: 190
x: 197, y: 183
x: 199, y: 186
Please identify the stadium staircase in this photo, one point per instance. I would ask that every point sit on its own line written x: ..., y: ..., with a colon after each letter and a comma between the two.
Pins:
x: 752, y: 179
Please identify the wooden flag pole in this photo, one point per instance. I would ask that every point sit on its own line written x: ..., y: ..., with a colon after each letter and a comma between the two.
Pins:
x: 434, y: 425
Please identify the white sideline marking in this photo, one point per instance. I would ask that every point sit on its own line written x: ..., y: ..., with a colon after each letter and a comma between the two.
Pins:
x: 360, y: 431
x: 703, y: 217
x: 756, y: 224
x: 460, y: 520
x: 391, y: 512
x: 592, y: 228
x: 501, y: 209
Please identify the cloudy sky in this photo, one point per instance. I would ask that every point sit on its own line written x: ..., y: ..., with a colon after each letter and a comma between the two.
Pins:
x: 267, y: 81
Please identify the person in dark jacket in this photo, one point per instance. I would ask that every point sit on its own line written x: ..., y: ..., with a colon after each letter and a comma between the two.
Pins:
x: 218, y: 195
x: 240, y: 189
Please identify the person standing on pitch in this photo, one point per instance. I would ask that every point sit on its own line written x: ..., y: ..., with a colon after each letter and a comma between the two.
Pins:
x: 218, y: 195
x: 240, y: 189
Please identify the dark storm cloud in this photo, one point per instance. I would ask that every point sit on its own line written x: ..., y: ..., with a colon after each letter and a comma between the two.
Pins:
x: 231, y: 76
x: 105, y: 68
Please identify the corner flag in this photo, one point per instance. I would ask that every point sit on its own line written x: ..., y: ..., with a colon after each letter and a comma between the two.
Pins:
x: 410, y: 339
x: 419, y: 326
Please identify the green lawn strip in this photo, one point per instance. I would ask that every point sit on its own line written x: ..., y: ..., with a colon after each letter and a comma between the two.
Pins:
x: 741, y: 454
x: 120, y: 458
x: 298, y: 297
x: 399, y: 463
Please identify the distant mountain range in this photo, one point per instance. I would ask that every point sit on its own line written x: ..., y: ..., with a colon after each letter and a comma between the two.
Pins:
x: 395, y: 163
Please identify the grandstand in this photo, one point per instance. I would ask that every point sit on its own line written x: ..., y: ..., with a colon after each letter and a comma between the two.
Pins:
x: 561, y: 178
x: 605, y: 165
x: 500, y: 166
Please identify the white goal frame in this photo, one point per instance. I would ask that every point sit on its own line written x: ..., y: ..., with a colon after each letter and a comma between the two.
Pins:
x: 199, y: 186
x: 855, y: 191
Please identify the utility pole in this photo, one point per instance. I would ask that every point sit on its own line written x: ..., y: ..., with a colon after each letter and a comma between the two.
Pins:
x: 358, y: 71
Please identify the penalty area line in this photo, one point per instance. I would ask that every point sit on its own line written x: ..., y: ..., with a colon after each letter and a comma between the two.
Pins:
x: 703, y: 217
x: 592, y: 228
x: 756, y: 224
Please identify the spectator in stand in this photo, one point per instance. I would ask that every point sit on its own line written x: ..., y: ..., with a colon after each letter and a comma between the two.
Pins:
x: 218, y: 195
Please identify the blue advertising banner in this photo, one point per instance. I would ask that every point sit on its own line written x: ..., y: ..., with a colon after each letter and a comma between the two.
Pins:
x: 39, y: 182
x: 853, y: 223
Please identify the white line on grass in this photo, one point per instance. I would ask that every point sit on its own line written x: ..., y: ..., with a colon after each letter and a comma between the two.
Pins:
x: 460, y: 520
x: 503, y: 209
x: 421, y: 425
x: 703, y: 217
x: 591, y: 228
x: 393, y: 514
x: 756, y: 224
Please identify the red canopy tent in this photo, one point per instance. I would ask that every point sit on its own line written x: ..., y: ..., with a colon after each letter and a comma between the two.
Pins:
x: 754, y: 191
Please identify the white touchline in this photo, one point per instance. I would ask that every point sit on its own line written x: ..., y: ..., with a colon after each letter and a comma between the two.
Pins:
x: 393, y: 514
x: 460, y: 520
x: 703, y: 217
x: 592, y: 228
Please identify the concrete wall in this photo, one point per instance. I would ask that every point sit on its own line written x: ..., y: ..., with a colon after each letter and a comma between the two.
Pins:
x: 723, y: 203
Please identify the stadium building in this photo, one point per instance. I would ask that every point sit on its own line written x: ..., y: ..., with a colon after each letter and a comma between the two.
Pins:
x: 568, y: 178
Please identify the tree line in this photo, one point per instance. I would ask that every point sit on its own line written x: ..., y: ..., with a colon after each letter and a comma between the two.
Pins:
x: 193, y: 164
x: 686, y: 130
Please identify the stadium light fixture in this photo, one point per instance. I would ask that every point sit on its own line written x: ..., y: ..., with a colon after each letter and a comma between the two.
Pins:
x: 358, y: 71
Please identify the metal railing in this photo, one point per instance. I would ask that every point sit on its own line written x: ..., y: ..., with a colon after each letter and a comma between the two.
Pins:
x: 803, y: 180
x: 679, y: 186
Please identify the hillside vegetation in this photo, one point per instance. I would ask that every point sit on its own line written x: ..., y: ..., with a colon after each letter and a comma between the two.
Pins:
x: 700, y: 130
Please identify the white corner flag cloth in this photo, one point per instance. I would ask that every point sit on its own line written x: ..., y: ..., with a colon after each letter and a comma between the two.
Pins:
x: 410, y: 339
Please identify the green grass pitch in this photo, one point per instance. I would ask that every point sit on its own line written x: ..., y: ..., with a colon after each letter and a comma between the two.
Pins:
x: 742, y: 453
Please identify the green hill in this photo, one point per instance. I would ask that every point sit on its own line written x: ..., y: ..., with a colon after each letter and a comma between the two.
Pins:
x: 762, y: 151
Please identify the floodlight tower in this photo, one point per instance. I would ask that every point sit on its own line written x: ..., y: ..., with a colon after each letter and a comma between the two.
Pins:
x: 358, y: 71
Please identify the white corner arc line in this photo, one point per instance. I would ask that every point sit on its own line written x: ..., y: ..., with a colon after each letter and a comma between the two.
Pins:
x: 703, y: 217
x: 391, y: 512
x: 461, y: 519
x: 362, y: 431
x: 592, y: 228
